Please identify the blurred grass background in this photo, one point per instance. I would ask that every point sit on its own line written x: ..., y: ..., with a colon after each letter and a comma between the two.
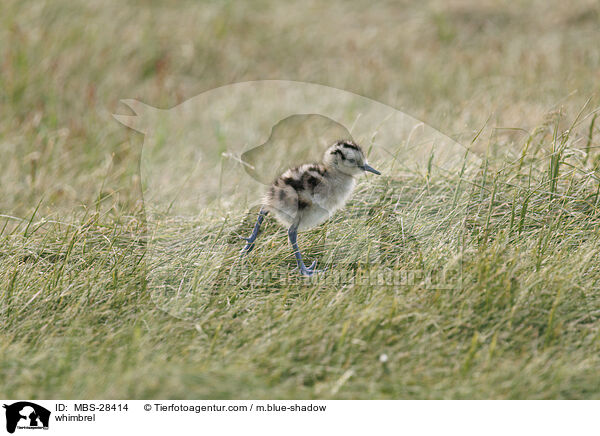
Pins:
x: 76, y: 321
x: 65, y: 65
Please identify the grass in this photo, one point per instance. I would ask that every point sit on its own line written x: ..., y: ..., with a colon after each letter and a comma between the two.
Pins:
x: 79, y: 315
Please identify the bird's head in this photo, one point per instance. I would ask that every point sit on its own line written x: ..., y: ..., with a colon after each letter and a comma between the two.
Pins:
x: 348, y: 158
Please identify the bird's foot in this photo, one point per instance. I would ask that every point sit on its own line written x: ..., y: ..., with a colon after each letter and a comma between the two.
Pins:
x: 248, y: 247
x: 310, y: 271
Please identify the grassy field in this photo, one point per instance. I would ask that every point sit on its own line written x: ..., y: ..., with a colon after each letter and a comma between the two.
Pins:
x: 516, y: 81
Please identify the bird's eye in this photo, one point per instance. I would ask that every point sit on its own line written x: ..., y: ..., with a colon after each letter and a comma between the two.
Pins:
x: 352, y: 160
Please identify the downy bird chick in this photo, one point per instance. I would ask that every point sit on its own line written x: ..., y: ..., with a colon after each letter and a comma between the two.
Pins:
x: 306, y: 196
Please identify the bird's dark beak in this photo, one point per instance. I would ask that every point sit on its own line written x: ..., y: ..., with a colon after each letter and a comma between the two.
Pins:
x: 370, y: 169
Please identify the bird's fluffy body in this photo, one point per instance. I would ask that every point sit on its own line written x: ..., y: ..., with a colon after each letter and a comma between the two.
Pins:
x: 308, y: 195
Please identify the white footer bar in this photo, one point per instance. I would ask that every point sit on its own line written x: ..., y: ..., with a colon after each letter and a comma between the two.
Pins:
x: 291, y: 417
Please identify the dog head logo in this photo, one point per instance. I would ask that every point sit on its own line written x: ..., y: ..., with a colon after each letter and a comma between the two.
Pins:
x: 206, y: 162
x: 26, y: 415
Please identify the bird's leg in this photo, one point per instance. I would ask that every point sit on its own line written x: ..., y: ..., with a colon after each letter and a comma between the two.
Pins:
x: 250, y: 240
x: 293, y: 235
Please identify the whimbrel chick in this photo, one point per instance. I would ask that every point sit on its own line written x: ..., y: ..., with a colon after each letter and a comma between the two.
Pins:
x: 306, y: 196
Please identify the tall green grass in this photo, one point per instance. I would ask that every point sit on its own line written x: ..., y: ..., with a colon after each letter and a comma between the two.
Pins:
x: 79, y: 320
x: 519, y: 241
